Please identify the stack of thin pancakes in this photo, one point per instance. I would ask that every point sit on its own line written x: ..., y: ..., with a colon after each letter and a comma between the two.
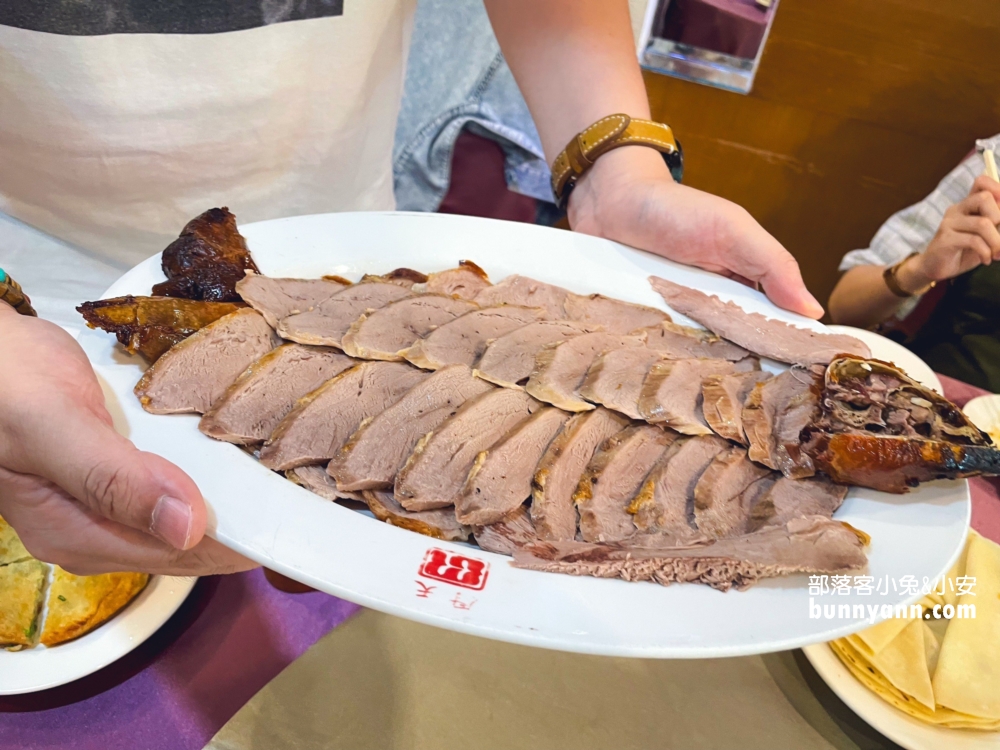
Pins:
x: 940, y: 671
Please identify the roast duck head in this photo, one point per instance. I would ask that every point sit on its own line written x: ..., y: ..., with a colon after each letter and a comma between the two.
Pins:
x: 877, y: 427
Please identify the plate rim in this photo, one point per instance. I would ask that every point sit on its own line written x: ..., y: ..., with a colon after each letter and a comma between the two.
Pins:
x: 395, y: 607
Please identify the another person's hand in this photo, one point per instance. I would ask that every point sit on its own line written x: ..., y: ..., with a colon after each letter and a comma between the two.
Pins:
x: 79, y: 494
x: 629, y: 196
x: 967, y: 237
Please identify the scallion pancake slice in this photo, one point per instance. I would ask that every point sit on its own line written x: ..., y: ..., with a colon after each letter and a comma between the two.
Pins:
x: 11, y: 549
x: 20, y: 600
x: 78, y: 604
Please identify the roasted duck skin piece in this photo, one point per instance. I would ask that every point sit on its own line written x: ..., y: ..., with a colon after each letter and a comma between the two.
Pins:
x: 206, y: 240
x: 207, y: 260
x: 207, y: 283
x: 148, y: 326
x: 880, y: 428
x: 896, y: 464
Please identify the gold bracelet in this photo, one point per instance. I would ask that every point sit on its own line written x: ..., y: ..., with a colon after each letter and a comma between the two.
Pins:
x: 10, y: 292
x: 889, y: 276
x: 605, y: 135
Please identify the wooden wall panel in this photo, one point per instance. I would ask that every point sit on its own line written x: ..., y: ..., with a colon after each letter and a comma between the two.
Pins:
x: 859, y: 108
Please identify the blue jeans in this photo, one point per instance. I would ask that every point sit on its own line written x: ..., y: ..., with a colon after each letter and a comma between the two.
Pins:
x: 457, y: 78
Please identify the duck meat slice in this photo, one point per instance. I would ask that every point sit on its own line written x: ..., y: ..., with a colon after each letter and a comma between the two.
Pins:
x: 665, y: 502
x: 277, y: 298
x: 500, y: 479
x: 440, y: 524
x: 149, y: 326
x: 253, y: 406
x: 560, y: 468
x: 463, y: 340
x: 615, y: 378
x: 560, y: 369
x: 318, y: 427
x: 723, y: 398
x: 613, y: 477
x: 525, y: 292
x: 681, y: 342
x: 435, y: 472
x: 194, y: 374
x: 375, y: 453
x: 327, y: 322
x: 776, y: 414
x: 316, y: 480
x: 386, y: 332
x: 803, y: 545
x: 671, y: 392
x: 612, y: 315
x: 727, y: 491
x: 764, y: 336
x: 796, y: 498
x: 465, y: 282
x: 506, y: 535
x: 510, y: 358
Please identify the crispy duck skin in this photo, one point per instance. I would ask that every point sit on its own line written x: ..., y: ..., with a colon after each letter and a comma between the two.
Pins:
x: 896, y: 464
x: 207, y: 260
x: 148, y: 326
x: 205, y: 283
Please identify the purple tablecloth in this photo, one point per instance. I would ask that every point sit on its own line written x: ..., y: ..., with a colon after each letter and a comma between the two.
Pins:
x: 232, y: 636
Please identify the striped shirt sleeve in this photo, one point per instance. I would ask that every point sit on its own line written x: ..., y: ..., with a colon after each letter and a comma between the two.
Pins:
x: 911, y: 230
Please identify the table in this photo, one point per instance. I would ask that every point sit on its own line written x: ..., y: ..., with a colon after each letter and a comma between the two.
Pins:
x: 228, y: 640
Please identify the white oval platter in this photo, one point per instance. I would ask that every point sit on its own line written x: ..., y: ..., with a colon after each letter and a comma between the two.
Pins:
x: 348, y: 554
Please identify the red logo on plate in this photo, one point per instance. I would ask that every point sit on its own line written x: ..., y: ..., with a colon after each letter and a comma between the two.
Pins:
x: 457, y: 570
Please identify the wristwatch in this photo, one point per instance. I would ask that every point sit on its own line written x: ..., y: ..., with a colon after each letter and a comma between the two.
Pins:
x: 10, y: 292
x: 891, y: 281
x: 606, y: 135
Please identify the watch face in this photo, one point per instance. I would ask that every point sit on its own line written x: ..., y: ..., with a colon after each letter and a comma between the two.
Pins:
x: 675, y: 162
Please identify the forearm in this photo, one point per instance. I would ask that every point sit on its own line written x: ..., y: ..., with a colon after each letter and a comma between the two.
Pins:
x: 574, y: 61
x: 862, y: 299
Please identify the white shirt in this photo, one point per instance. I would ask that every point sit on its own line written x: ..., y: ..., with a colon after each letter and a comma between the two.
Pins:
x: 111, y: 142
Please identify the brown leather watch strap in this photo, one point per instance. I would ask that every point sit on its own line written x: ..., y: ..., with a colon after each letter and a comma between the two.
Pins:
x: 10, y: 292
x: 891, y: 281
x: 605, y: 135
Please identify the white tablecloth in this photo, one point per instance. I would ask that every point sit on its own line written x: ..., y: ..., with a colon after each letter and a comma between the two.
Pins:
x: 56, y: 276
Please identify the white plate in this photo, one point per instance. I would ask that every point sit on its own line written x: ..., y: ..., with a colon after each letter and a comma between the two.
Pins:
x: 890, y: 721
x: 287, y: 528
x: 41, y: 668
x: 984, y: 411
